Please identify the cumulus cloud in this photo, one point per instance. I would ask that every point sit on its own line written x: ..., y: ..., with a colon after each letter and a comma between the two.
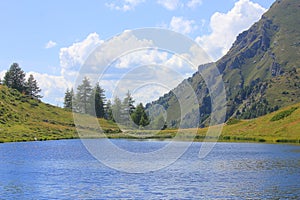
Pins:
x: 141, y: 57
x: 181, y: 25
x: 147, y: 82
x: 149, y: 92
x: 124, y: 5
x: 131, y: 60
x: 53, y: 87
x: 194, y: 3
x: 175, y: 4
x: 116, y: 47
x: 128, y: 5
x: 169, y: 4
x: 50, y: 44
x: 2, y: 74
x: 72, y: 57
x: 226, y: 26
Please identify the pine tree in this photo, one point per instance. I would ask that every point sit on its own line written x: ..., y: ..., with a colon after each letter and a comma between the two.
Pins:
x: 84, y: 97
x: 108, y: 111
x: 15, y: 78
x: 128, y: 103
x: 139, y: 116
x: 144, y: 120
x: 99, y: 101
x: 68, y: 100
x: 127, y: 110
x: 116, y: 109
x: 31, y: 88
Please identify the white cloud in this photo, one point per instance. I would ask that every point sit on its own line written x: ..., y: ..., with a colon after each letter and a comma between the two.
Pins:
x: 136, y: 62
x: 141, y: 57
x: 226, y: 26
x: 194, y: 3
x: 175, y: 4
x: 147, y: 82
x: 2, y: 74
x: 149, y: 93
x: 124, y: 5
x: 50, y: 44
x: 127, y: 5
x: 72, y: 57
x: 97, y: 66
x: 53, y: 87
x: 169, y: 4
x: 116, y: 47
x: 181, y: 25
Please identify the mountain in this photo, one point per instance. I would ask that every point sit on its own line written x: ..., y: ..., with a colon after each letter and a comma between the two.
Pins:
x: 260, y: 71
x: 23, y: 118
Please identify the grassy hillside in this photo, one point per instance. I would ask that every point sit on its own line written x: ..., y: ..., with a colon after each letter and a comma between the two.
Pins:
x: 24, y: 119
x: 282, y: 126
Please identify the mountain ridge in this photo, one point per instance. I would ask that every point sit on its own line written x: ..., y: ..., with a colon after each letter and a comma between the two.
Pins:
x: 260, y: 71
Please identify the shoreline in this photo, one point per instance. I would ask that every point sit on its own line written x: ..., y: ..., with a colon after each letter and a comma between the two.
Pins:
x: 168, y: 138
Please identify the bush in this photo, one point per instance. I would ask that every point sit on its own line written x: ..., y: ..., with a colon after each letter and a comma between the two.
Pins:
x: 287, y: 141
x: 283, y: 114
x: 226, y: 138
x: 232, y: 121
x: 261, y: 140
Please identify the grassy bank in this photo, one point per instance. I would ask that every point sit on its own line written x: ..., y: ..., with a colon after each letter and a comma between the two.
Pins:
x: 26, y: 119
x: 282, y: 126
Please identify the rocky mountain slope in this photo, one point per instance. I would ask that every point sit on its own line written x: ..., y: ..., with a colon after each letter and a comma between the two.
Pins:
x: 261, y: 71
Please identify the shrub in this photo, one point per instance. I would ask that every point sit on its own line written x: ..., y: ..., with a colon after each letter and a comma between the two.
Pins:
x: 261, y: 140
x: 283, y: 114
x: 232, y: 121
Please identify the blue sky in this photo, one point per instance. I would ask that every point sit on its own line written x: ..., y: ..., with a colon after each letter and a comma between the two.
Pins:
x: 51, y: 39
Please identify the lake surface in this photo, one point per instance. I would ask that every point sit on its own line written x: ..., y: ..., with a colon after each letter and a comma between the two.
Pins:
x: 65, y: 170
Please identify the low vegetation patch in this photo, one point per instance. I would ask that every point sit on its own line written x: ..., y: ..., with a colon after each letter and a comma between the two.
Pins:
x: 283, y: 114
x: 232, y: 121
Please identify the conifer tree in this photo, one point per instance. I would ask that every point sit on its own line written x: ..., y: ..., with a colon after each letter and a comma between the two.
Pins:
x: 99, y: 101
x: 84, y: 96
x: 127, y: 110
x: 31, y: 88
x: 139, y: 116
x: 116, y: 109
x: 68, y: 100
x: 108, y: 111
x: 15, y: 78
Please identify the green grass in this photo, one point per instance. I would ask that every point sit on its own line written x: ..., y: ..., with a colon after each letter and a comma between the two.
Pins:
x: 262, y: 129
x: 26, y: 119
x: 280, y: 126
x: 283, y: 114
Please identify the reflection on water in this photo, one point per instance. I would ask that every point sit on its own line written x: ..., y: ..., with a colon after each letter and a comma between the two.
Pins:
x: 64, y: 169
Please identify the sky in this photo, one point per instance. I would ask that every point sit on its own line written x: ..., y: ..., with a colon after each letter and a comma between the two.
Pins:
x: 53, y: 39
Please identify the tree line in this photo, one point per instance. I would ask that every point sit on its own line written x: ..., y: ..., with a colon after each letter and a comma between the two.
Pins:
x: 91, y: 100
x: 15, y: 78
